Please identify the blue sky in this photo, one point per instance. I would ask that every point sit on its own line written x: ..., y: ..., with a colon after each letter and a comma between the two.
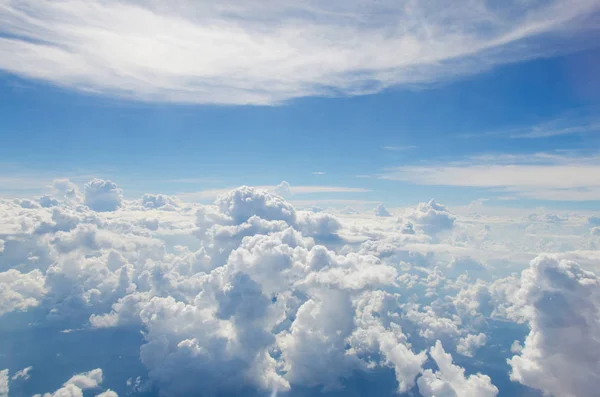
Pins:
x: 51, y: 129
x: 134, y: 263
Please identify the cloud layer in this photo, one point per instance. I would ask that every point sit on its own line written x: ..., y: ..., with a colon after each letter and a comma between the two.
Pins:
x: 266, y: 52
x: 251, y: 295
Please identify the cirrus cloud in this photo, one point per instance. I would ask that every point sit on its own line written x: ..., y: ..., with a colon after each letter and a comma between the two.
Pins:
x: 265, y: 52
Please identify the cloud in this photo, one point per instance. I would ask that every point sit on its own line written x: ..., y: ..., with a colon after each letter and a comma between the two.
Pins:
x: 432, y: 217
x: 86, y: 380
x: 4, y: 383
x: 540, y: 176
x: 398, y: 148
x: 450, y: 379
x: 561, y: 303
x: 234, y: 53
x: 572, y: 122
x: 101, y: 195
x: 283, y: 189
x: 382, y: 211
x: 75, y: 386
x: 318, y: 173
x: 251, y: 294
x: 469, y: 344
x: 22, y: 374
x: 20, y: 291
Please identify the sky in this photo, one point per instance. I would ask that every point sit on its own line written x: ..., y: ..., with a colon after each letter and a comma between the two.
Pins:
x: 299, y: 198
x: 509, y: 90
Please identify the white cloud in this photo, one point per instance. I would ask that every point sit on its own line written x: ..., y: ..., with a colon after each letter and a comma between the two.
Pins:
x: 283, y: 189
x: 23, y: 374
x: 432, y: 217
x: 86, y: 380
x: 20, y: 291
x: 561, y: 303
x: 102, y: 195
x: 382, y: 211
x: 470, y: 343
x: 75, y: 386
x: 268, y: 52
x: 4, y: 383
x: 251, y: 294
x: 516, y: 347
x: 450, y: 380
x: 538, y: 176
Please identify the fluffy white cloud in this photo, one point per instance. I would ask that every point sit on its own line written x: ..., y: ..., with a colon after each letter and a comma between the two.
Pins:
x: 101, y: 195
x: 432, y: 217
x: 19, y: 291
x: 75, y: 386
x: 86, y: 380
x: 245, y: 202
x: 382, y: 211
x: 251, y: 295
x: 561, y: 302
x: 4, y: 383
x: 470, y: 343
x: 450, y: 380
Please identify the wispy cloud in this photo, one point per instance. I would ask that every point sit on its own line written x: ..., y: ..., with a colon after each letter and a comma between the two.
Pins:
x: 211, y: 194
x: 398, y: 148
x: 264, y: 51
x: 582, y: 121
x: 543, y: 176
x: 318, y: 173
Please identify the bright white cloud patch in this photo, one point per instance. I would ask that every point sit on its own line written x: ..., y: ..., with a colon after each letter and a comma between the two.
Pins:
x: 450, y: 379
x: 75, y: 386
x: 250, y: 295
x: 103, y: 195
x: 561, y: 302
x: 4, y: 383
x: 264, y: 52
x: 20, y: 291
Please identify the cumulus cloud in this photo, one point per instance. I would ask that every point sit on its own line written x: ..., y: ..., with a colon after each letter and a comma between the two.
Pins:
x: 561, y: 302
x: 75, y: 386
x: 382, y: 211
x: 20, y: 291
x: 101, y: 195
x: 432, y: 217
x: 86, y: 380
x: 469, y: 344
x: 283, y: 189
x: 4, y: 383
x: 251, y: 295
x: 450, y: 379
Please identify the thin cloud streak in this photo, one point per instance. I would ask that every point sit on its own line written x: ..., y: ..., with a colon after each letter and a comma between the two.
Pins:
x: 265, y: 52
x: 542, y: 176
x: 398, y: 148
x: 211, y: 194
